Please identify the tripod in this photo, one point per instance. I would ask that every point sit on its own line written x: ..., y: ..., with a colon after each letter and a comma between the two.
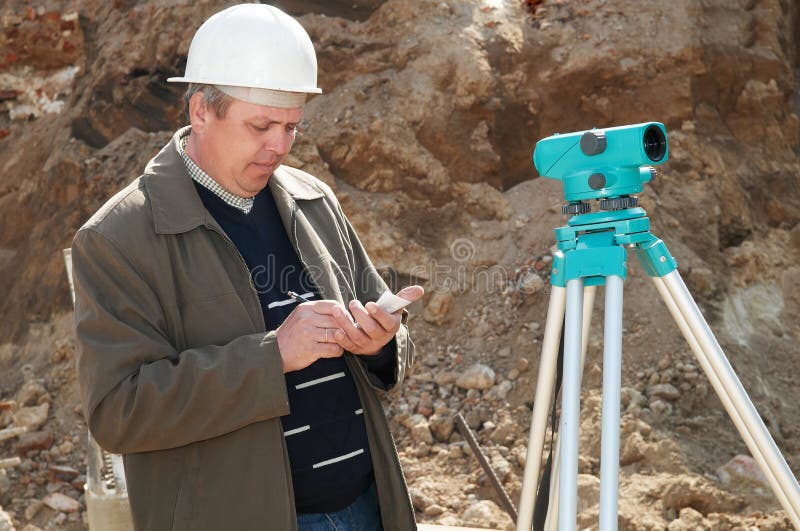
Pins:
x: 592, y: 252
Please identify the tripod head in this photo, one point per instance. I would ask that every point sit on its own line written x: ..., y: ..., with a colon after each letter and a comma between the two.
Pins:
x: 607, y: 164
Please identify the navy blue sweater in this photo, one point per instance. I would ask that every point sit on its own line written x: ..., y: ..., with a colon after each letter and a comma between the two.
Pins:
x: 325, y: 432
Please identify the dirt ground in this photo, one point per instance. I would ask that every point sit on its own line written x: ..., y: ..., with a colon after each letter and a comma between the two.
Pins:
x: 430, y: 113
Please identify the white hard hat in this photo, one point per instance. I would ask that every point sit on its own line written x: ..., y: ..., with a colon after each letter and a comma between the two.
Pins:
x: 250, y: 51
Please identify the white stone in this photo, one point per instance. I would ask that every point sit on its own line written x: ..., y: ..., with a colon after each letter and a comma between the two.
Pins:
x: 62, y: 502
x: 741, y: 468
x: 665, y: 391
x: 5, y: 522
x: 32, y: 417
x: 478, y: 376
x: 419, y: 428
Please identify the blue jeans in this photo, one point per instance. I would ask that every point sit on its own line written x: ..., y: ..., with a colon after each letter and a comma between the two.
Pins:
x: 364, y: 514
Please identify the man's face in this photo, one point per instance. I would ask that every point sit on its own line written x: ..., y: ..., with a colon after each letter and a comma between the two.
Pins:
x: 241, y: 150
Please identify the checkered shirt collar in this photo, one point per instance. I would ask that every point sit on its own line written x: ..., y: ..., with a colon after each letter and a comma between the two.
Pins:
x: 244, y: 204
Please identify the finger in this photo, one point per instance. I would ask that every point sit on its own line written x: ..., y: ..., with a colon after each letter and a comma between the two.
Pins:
x: 345, y: 322
x: 370, y: 326
x: 325, y: 307
x: 324, y: 334
x: 389, y: 321
x: 411, y: 293
x: 345, y: 342
x: 329, y: 350
x: 319, y: 321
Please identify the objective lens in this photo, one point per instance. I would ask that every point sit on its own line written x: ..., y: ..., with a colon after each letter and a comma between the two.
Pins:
x: 655, y: 143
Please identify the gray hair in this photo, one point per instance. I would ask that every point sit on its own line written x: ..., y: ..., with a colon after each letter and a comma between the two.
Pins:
x: 213, y: 98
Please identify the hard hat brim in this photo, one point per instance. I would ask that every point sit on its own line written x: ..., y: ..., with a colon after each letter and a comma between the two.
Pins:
x: 307, y: 90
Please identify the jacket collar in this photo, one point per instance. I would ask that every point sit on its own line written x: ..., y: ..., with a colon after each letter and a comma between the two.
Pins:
x: 177, y: 207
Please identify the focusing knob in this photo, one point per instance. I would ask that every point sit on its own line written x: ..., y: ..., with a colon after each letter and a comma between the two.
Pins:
x: 597, y: 181
x: 618, y: 203
x: 576, y: 208
x: 593, y: 142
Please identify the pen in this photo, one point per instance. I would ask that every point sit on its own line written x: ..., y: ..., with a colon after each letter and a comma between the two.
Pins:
x: 297, y: 297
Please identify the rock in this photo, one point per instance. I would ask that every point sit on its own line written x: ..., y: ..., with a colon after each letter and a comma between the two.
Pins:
x: 688, y: 520
x: 506, y: 431
x: 445, y: 378
x: 34, y: 440
x: 588, y: 491
x: 434, y: 510
x: 62, y: 473
x: 5, y: 483
x: 633, y: 450
x: 66, y: 448
x: 62, y: 502
x: 422, y: 449
x: 439, y: 305
x: 659, y: 407
x: 6, y: 524
x: 32, y: 417
x: 478, y: 376
x: 425, y: 405
x: 33, y: 509
x: 31, y: 527
x: 419, y: 500
x: 486, y: 512
x: 631, y: 399
x: 701, y: 281
x: 30, y: 393
x: 503, y: 389
x: 419, y: 428
x: 441, y: 426
x: 520, y: 455
x: 742, y: 468
x: 454, y: 450
x: 530, y: 283
x: 665, y: 391
x: 501, y: 467
x: 482, y: 329
x: 473, y: 419
x: 79, y: 483
x: 700, y: 494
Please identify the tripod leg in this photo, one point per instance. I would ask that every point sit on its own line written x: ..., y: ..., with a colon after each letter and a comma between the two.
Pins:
x: 720, y: 390
x: 570, y: 407
x: 750, y: 425
x: 588, y: 304
x: 612, y: 380
x: 541, y: 405
x: 551, y: 522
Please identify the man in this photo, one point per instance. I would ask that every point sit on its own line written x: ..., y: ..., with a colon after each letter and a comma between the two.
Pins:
x: 234, y: 405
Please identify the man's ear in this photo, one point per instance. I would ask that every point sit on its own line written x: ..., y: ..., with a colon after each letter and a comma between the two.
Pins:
x: 198, y: 113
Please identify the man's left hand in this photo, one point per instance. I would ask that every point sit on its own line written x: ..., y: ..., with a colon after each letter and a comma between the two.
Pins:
x: 376, y: 327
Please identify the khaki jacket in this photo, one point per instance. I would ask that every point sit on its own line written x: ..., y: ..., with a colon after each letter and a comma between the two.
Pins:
x: 176, y: 369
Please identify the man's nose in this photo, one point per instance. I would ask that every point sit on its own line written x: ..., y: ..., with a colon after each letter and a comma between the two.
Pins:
x: 280, y: 143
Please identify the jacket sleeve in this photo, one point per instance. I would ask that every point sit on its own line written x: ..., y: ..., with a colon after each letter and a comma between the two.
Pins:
x: 140, y: 394
x: 369, y: 286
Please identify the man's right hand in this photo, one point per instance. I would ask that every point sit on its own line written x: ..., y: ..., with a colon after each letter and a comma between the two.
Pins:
x: 307, y: 335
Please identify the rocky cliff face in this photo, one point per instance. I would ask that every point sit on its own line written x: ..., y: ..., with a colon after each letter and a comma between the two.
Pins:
x: 426, y: 127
